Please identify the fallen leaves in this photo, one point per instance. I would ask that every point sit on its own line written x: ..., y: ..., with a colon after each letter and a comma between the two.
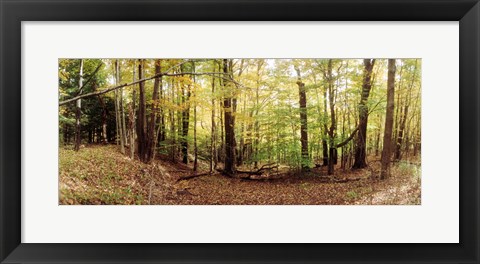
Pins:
x: 102, y: 175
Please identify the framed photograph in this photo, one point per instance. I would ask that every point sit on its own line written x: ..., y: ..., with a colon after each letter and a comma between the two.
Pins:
x: 239, y: 131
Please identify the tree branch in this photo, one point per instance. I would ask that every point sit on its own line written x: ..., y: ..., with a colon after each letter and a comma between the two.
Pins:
x: 89, y: 79
x: 269, y: 166
x: 139, y: 81
x: 345, y: 142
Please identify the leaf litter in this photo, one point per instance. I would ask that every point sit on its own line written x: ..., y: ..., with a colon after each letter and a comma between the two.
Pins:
x: 100, y: 174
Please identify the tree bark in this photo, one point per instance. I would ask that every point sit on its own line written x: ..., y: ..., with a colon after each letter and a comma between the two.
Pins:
x: 132, y: 118
x: 325, y: 127
x: 403, y: 120
x: 256, y: 142
x: 141, y: 121
x: 387, y: 137
x: 360, y: 144
x: 195, y: 147
x: 228, y: 108
x: 303, y: 121
x: 78, y: 112
x: 104, y: 120
x: 173, y: 149
x: 185, y: 121
x: 150, y: 137
x: 118, y: 108
x: 332, y: 150
x: 213, y: 156
x: 377, y: 138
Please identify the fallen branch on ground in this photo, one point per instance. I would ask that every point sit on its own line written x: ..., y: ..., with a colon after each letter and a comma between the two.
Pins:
x: 265, y: 167
x: 194, y: 176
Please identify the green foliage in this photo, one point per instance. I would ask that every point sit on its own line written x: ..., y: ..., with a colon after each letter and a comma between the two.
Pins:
x: 352, y: 195
x: 409, y: 169
x: 267, y: 98
x: 107, y: 173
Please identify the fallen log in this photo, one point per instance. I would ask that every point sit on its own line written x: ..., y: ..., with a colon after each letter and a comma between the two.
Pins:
x: 194, y: 176
x: 275, y: 176
x: 249, y: 172
x: 265, y: 167
x: 346, y: 180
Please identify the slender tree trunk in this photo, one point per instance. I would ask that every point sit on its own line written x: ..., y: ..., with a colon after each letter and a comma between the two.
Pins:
x: 342, y: 161
x: 141, y: 121
x: 173, y: 144
x: 387, y: 137
x: 401, y: 132
x: 396, y: 120
x: 241, y: 149
x: 104, y: 120
x: 360, y: 146
x: 65, y: 134
x: 257, y: 109
x: 132, y: 118
x: 102, y: 135
x: 160, y: 118
x: 195, y: 147
x: 213, y: 156
x: 399, y: 142
x: 78, y: 111
x: 332, y: 151
x: 325, y: 127
x: 417, y: 143
x: 162, y: 130
x: 122, y: 112
x: 377, y: 137
x: 131, y: 126
x: 185, y: 119
x: 118, y: 108
x: 221, y: 153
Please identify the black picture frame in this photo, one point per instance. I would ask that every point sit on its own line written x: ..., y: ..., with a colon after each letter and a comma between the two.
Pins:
x: 13, y: 12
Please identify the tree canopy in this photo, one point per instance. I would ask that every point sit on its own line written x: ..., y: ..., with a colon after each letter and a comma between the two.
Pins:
x: 245, y: 117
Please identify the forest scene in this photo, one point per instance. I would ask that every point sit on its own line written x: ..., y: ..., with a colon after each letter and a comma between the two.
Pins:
x: 239, y: 131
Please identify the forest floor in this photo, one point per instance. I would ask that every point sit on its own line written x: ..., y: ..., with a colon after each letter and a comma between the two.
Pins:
x: 100, y: 174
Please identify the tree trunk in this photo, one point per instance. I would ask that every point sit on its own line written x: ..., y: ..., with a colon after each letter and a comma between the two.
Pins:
x: 396, y: 118
x: 256, y: 142
x: 213, y: 155
x: 162, y: 130
x: 325, y: 127
x: 360, y: 146
x: 195, y: 147
x: 78, y: 112
x: 122, y: 112
x: 173, y: 143
x: 303, y: 121
x: 132, y: 118
x: 399, y: 141
x: 403, y: 121
x: 104, y: 120
x: 332, y: 152
x: 229, y: 120
x: 387, y: 137
x: 150, y: 136
x: 241, y: 149
x: 377, y: 138
x: 141, y: 121
x: 185, y: 119
x: 118, y: 103
x: 221, y: 152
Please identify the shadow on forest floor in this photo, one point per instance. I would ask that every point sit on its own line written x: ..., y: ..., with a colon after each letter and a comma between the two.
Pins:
x: 100, y: 174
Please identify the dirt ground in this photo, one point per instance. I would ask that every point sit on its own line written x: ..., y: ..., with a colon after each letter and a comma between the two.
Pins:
x: 99, y: 174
